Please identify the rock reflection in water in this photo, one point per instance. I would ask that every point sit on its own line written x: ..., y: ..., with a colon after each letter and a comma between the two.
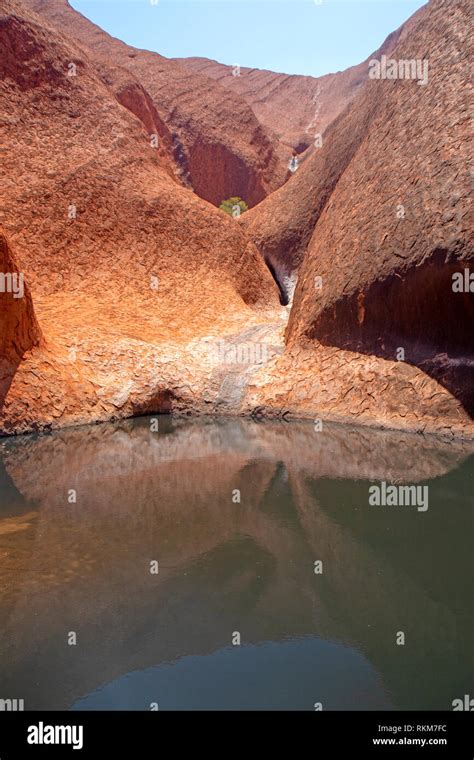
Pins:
x: 228, y: 567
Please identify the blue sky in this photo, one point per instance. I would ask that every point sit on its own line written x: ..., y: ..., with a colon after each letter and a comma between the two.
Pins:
x: 290, y: 36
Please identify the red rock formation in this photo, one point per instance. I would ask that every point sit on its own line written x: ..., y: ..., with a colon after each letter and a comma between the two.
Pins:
x: 282, y: 225
x: 408, y: 228
x: 135, y: 280
x: 19, y: 330
x: 293, y: 107
x: 377, y: 276
x: 126, y: 267
x: 220, y: 148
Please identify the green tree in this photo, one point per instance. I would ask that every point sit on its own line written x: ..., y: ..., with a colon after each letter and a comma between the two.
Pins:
x: 234, y: 206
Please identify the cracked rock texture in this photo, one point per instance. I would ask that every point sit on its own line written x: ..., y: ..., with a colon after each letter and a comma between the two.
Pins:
x: 127, y: 269
x: 380, y: 221
x: 293, y: 107
x: 216, y: 142
x: 283, y: 223
x: 398, y: 224
x: 143, y: 298
x: 19, y: 330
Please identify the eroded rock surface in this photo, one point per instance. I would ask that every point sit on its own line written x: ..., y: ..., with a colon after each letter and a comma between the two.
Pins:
x: 398, y: 225
x: 19, y: 330
x: 127, y: 269
x: 219, y: 147
x: 376, y: 322
x: 293, y: 107
x: 148, y: 299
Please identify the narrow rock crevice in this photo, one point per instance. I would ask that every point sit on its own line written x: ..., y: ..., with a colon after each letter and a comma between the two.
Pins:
x: 284, y: 294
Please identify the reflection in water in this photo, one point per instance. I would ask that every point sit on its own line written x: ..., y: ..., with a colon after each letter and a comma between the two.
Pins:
x: 230, y: 568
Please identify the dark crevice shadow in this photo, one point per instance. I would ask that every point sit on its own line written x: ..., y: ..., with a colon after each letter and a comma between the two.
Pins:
x: 19, y: 330
x: 283, y: 293
x: 8, y: 370
x: 160, y: 403
x: 414, y: 317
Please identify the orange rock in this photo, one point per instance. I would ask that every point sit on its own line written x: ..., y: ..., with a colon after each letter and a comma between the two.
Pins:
x: 131, y: 274
x: 219, y: 147
x: 149, y: 299
x: 19, y: 330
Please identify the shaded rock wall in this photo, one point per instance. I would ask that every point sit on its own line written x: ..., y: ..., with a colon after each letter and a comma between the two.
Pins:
x: 206, y: 123
x: 397, y: 225
x: 136, y: 280
x: 293, y: 107
x: 19, y: 330
x: 125, y: 265
x: 283, y: 224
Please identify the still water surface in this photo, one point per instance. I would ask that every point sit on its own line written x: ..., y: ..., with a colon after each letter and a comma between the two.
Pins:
x: 228, y: 568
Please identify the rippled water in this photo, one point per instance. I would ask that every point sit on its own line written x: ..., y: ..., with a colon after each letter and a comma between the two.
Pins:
x: 229, y: 568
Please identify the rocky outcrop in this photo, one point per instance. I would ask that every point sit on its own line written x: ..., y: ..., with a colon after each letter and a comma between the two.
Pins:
x: 19, y: 330
x: 397, y: 226
x: 282, y: 226
x: 151, y: 300
x: 283, y: 223
x: 219, y: 147
x: 126, y: 267
x: 377, y: 278
x: 293, y: 107
x: 297, y: 109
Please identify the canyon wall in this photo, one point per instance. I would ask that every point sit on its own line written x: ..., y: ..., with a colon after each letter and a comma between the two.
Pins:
x: 293, y: 107
x: 376, y: 313
x: 148, y: 299
x: 19, y: 330
x: 218, y: 146
x: 126, y: 267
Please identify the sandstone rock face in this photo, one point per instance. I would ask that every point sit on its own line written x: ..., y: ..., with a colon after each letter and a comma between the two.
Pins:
x: 398, y: 226
x: 283, y: 223
x: 126, y: 267
x: 19, y: 330
x: 377, y: 278
x: 295, y: 108
x: 148, y: 299
x: 219, y: 147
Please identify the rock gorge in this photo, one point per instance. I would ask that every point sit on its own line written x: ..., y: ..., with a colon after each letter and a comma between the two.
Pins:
x: 139, y: 291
